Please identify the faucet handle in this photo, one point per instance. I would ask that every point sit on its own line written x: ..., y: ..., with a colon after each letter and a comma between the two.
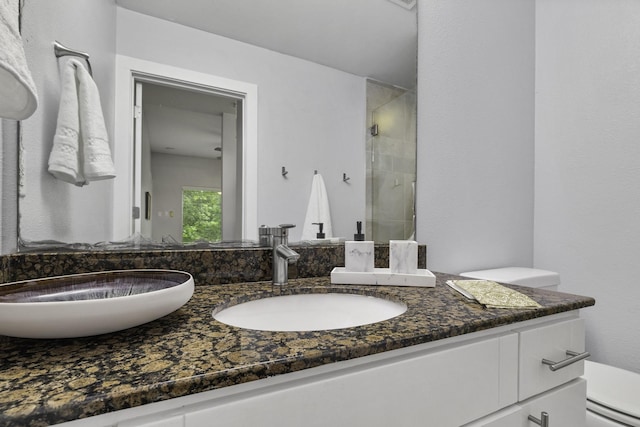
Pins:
x: 282, y: 231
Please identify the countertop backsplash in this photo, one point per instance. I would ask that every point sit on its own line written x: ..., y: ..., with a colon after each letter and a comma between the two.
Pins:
x: 207, y: 266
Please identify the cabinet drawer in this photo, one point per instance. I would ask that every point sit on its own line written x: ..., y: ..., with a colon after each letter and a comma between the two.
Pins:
x: 565, y: 406
x: 549, y: 342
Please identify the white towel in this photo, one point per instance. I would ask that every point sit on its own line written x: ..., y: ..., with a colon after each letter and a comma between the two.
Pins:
x: 98, y: 163
x: 80, y: 150
x: 18, y: 99
x: 317, y: 211
x: 64, y: 160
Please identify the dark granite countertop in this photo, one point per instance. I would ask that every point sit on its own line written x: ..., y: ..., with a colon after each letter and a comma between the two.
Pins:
x: 45, y: 382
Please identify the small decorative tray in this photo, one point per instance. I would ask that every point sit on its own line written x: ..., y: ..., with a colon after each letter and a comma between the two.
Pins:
x: 384, y: 277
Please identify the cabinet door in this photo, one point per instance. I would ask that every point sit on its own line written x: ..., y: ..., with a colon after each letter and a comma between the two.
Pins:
x: 565, y: 405
x: 444, y: 388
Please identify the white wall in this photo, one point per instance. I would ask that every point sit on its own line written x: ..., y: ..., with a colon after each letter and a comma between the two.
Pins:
x: 170, y: 174
x: 587, y: 175
x: 310, y: 116
x: 475, y: 133
x: 52, y: 209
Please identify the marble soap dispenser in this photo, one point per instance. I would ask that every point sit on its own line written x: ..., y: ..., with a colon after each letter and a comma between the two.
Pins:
x: 358, y: 253
x: 403, y: 256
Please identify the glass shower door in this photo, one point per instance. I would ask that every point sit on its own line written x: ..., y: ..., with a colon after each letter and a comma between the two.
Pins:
x: 391, y: 172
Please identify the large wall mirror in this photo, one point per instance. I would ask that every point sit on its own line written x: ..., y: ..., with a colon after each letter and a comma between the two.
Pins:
x: 231, y: 93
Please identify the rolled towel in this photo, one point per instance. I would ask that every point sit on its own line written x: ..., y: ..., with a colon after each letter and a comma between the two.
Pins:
x: 65, y: 158
x: 98, y: 163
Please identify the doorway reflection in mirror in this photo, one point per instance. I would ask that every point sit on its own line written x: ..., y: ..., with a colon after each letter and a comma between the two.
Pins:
x: 188, y: 143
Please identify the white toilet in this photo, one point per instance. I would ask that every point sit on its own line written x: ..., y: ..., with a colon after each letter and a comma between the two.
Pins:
x: 532, y: 277
x: 613, y: 394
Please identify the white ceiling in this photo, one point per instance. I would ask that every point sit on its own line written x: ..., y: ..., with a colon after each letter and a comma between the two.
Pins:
x: 369, y: 38
x: 183, y: 122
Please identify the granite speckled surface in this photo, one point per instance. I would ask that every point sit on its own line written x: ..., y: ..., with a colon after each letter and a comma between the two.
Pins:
x: 47, y: 382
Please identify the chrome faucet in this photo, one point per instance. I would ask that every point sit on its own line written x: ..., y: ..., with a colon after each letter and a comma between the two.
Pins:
x: 283, y: 255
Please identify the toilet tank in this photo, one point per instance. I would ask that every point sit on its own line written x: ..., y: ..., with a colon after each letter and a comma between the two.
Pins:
x: 532, y: 277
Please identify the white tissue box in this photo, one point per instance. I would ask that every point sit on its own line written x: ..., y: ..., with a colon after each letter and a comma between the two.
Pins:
x: 403, y: 256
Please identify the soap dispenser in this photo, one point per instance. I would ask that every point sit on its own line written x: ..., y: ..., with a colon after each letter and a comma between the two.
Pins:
x: 359, y: 236
x: 320, y: 233
x: 358, y: 253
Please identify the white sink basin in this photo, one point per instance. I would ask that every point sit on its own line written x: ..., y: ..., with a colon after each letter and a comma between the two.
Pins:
x: 309, y: 312
x: 90, y: 304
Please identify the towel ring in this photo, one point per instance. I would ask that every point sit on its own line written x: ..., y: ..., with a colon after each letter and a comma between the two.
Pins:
x: 61, y: 50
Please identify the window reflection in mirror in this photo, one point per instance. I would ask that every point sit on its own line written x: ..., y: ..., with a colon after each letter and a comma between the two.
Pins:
x: 201, y: 215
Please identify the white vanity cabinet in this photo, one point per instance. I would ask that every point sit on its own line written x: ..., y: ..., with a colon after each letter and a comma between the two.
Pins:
x: 479, y: 379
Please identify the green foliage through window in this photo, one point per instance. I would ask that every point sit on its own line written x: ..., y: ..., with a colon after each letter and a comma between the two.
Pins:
x: 201, y: 215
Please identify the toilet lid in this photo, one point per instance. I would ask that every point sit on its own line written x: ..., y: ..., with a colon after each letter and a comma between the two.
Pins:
x: 532, y: 277
x: 613, y: 392
x: 609, y: 417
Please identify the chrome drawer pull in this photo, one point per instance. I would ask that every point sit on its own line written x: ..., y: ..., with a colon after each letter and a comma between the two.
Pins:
x: 543, y: 421
x: 574, y: 357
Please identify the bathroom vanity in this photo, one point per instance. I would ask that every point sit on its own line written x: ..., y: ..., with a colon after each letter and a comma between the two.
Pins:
x: 445, y: 361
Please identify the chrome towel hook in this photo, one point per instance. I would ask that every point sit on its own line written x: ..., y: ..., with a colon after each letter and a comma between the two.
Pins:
x: 61, y: 50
